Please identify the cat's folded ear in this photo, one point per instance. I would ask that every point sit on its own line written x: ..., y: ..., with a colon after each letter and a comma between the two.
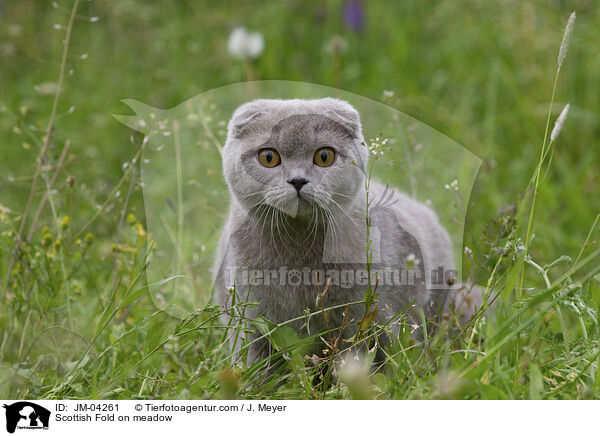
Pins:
x: 241, y: 121
x: 344, y: 113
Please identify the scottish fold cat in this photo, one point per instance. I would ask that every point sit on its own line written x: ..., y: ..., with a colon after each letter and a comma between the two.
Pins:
x: 296, y: 171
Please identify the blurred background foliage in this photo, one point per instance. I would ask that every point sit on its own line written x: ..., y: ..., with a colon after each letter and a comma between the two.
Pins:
x: 479, y: 71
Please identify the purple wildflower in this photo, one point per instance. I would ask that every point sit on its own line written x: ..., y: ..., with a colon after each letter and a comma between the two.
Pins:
x: 354, y: 15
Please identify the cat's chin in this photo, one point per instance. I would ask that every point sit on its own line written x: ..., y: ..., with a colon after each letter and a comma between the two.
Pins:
x: 298, y: 208
x: 305, y: 208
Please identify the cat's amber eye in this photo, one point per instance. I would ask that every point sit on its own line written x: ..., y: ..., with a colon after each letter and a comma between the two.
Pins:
x: 269, y: 158
x: 324, y: 157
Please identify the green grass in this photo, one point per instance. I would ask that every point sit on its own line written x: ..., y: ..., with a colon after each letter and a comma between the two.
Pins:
x: 76, y: 317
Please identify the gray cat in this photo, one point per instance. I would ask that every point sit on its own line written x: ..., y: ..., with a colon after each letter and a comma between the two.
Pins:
x: 296, y: 170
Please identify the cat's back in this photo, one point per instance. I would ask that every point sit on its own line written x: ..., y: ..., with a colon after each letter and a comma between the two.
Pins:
x: 395, y: 215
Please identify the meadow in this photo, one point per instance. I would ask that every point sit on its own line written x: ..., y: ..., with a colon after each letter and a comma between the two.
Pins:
x: 79, y: 313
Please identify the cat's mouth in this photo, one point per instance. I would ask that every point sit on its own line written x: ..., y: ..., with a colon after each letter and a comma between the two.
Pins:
x: 297, y: 205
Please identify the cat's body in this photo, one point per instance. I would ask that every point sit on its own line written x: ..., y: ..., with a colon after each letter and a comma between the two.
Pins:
x: 299, y: 224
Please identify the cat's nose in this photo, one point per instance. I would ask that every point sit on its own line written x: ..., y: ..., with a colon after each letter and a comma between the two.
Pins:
x: 298, y: 183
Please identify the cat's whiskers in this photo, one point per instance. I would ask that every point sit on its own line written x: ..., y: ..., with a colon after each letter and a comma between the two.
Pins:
x: 316, y: 230
x: 285, y: 223
x: 273, y: 199
x: 281, y: 237
x: 264, y: 217
x: 274, y: 212
x: 334, y: 227
x: 324, y: 198
x: 339, y: 206
x: 342, y: 195
x: 310, y: 228
x: 258, y: 214
x: 313, y: 230
x: 250, y: 194
x: 283, y: 228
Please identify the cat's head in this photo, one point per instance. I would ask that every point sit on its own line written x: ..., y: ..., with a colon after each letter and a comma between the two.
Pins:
x: 295, y: 155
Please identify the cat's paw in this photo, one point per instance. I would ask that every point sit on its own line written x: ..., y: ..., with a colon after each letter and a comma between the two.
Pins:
x: 465, y: 303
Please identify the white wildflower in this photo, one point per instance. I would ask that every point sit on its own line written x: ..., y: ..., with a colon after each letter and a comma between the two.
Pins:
x: 560, y: 121
x: 412, y: 261
x: 468, y: 251
x: 452, y: 186
x: 245, y: 45
x: 375, y: 146
x: 519, y: 249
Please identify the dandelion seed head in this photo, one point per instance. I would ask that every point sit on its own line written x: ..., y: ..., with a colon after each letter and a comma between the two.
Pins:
x: 337, y: 44
x: 244, y: 45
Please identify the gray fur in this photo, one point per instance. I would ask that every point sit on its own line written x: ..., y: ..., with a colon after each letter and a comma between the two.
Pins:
x: 271, y: 226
